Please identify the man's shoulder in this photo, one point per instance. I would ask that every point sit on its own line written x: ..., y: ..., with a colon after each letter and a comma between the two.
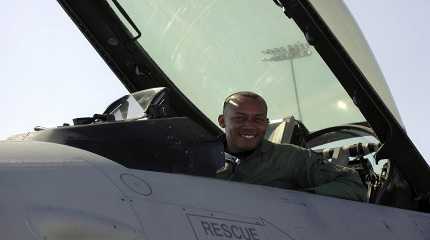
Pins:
x: 289, y: 154
x: 283, y: 147
x: 286, y: 149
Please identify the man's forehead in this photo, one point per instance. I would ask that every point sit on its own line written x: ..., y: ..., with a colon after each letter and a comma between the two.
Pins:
x: 233, y: 103
x: 244, y: 104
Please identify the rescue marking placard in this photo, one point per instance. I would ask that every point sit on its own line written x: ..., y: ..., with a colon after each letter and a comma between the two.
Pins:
x: 206, y: 227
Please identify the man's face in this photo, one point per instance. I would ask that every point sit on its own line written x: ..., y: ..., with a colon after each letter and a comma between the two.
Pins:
x: 245, y: 123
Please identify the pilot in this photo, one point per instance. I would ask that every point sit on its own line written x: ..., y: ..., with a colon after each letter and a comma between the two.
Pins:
x: 252, y: 159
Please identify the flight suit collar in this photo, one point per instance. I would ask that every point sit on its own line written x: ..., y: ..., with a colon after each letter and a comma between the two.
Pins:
x: 264, y: 146
x: 259, y: 153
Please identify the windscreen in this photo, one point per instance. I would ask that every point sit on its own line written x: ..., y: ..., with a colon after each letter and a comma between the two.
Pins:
x: 212, y: 48
x: 343, y: 26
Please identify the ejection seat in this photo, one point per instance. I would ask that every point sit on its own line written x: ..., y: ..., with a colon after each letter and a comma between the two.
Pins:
x: 287, y: 130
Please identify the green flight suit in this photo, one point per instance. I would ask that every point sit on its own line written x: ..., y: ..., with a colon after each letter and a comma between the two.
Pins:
x: 292, y: 167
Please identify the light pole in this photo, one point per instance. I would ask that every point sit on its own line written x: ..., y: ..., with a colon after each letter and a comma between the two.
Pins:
x: 291, y: 52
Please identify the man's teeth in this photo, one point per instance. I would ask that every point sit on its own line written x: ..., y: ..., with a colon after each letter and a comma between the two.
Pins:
x: 248, y: 136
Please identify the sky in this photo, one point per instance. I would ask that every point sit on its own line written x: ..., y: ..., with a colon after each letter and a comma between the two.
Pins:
x: 397, y: 32
x: 50, y: 74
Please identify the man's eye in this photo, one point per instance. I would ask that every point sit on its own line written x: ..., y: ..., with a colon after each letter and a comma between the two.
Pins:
x: 261, y: 120
x: 239, y: 119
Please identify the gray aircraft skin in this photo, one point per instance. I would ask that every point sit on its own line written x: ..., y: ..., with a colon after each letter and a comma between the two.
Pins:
x: 145, y: 168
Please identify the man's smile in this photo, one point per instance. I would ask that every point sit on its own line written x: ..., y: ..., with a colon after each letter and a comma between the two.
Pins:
x: 247, y: 136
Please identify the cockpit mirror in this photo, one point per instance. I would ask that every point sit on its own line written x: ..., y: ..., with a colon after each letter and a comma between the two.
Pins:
x: 145, y: 104
x: 149, y: 103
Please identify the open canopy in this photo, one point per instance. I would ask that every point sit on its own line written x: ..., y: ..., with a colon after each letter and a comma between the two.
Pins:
x: 210, y: 49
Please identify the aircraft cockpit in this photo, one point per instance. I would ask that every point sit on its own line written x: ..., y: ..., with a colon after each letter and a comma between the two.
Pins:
x: 146, y: 133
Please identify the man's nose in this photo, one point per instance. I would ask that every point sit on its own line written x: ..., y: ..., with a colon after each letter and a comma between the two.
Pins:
x: 250, y: 122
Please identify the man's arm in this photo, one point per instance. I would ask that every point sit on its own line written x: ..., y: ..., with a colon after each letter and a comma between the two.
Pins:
x: 314, y: 174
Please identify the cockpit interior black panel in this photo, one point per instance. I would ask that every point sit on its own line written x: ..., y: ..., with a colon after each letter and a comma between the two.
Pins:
x: 168, y: 145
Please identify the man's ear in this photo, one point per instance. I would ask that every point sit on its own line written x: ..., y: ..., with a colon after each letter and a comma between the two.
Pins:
x: 221, y: 121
